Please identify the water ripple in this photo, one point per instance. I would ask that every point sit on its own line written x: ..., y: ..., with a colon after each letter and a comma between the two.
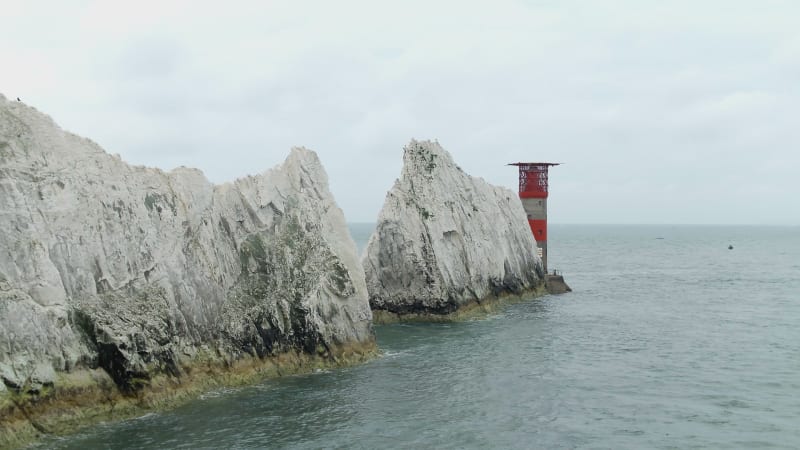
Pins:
x: 670, y: 343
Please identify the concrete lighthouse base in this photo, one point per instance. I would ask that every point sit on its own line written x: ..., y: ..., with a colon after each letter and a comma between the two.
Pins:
x: 555, y: 284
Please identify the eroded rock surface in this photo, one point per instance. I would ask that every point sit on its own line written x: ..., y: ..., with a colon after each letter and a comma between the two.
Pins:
x: 139, y: 271
x: 445, y: 239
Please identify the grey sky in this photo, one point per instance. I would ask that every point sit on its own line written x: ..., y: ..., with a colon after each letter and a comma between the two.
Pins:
x: 664, y: 112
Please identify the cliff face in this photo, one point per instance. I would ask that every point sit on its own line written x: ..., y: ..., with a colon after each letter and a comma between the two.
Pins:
x: 141, y: 272
x: 445, y: 239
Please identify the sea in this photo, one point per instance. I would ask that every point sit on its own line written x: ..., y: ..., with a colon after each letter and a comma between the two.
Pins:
x: 670, y: 339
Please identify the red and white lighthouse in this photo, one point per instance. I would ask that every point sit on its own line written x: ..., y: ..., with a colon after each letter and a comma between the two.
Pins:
x: 533, y: 190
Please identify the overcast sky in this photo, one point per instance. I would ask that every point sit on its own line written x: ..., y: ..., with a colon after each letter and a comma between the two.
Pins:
x: 662, y: 111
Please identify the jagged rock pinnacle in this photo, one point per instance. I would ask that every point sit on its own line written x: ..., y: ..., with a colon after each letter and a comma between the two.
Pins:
x: 445, y: 239
x: 135, y: 270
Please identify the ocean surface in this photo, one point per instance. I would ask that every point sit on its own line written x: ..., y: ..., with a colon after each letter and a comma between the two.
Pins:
x: 669, y: 340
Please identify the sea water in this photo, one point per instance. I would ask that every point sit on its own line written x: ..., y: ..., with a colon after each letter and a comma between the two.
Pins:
x: 669, y: 340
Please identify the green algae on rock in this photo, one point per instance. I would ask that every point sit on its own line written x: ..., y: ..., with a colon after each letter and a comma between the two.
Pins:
x: 88, y: 396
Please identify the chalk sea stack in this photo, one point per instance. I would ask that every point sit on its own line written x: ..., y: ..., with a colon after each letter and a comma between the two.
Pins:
x: 122, y: 287
x: 446, y: 242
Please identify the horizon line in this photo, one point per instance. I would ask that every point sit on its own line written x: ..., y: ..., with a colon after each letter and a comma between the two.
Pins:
x: 641, y: 224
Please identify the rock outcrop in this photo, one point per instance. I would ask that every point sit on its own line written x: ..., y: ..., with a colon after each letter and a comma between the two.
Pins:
x: 142, y: 273
x: 446, y: 240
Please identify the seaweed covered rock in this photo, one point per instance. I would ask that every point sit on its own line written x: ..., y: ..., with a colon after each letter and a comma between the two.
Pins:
x: 141, y: 272
x: 445, y: 240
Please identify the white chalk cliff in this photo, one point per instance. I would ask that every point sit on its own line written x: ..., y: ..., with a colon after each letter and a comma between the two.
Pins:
x: 138, y: 271
x: 445, y: 239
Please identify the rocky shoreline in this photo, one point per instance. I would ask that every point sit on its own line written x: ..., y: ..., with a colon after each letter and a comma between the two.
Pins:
x: 89, y: 396
x: 130, y: 282
x: 474, y: 309
x: 126, y: 289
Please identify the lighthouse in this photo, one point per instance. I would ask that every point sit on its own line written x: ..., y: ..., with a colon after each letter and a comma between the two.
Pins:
x: 533, y: 191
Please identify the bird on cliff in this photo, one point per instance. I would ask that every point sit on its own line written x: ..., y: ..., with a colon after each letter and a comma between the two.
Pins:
x: 18, y: 99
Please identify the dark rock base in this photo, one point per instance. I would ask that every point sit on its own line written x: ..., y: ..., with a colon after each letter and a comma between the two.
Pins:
x: 86, y: 397
x: 470, y: 310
